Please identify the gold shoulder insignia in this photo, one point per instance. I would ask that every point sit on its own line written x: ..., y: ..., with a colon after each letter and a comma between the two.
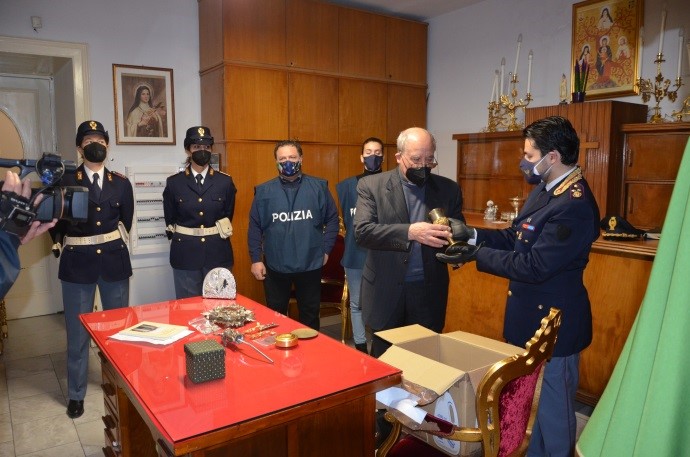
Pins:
x: 211, y: 171
x: 572, y: 178
x: 186, y: 171
x: 79, y: 176
x: 576, y: 190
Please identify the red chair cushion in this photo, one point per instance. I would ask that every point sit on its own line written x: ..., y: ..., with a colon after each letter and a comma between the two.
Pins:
x: 514, y: 410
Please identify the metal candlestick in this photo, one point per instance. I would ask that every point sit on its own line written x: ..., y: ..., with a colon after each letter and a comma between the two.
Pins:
x: 502, y: 114
x: 659, y: 89
x: 684, y: 111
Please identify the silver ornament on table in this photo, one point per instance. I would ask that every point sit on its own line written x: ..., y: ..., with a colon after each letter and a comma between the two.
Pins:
x: 230, y: 315
x: 220, y: 283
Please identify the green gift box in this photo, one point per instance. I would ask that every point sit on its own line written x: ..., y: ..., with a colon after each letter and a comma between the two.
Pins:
x: 205, y: 360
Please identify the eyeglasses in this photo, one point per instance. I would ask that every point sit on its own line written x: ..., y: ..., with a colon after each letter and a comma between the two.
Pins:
x: 418, y: 162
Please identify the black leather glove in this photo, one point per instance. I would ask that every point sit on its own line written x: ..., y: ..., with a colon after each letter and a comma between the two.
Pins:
x: 461, y: 232
x: 459, y: 253
x: 169, y: 234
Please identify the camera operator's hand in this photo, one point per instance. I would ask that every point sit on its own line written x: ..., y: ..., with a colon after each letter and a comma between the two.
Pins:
x: 23, y: 189
x: 461, y: 232
x: 459, y: 254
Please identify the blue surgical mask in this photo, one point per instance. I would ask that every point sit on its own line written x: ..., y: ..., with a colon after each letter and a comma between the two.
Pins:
x: 373, y: 162
x: 532, y: 175
x: 289, y: 168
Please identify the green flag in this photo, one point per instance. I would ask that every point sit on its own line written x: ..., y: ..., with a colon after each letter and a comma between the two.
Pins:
x: 645, y: 408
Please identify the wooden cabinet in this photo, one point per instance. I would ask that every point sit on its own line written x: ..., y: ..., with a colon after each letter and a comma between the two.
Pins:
x: 598, y: 124
x: 312, y: 35
x: 313, y: 108
x: 406, y: 50
x: 488, y: 169
x: 256, y: 103
x: 406, y: 108
x: 327, y: 75
x: 652, y: 156
x: 362, y: 110
x: 362, y: 43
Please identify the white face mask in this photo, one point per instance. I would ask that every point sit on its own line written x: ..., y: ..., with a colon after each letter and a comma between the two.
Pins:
x: 544, y: 175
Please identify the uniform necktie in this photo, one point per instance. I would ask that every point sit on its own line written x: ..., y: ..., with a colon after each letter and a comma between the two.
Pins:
x: 198, y: 180
x: 96, y: 187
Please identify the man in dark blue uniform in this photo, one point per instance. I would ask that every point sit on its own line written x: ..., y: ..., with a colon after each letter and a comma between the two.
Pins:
x: 544, y: 254
x: 94, y: 253
x: 293, y: 223
x: 198, y: 203
x: 354, y: 256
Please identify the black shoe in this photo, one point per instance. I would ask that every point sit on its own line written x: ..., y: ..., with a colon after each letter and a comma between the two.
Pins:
x: 75, y: 408
x: 362, y: 347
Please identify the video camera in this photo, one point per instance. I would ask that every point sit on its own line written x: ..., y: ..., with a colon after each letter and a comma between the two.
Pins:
x: 59, y: 202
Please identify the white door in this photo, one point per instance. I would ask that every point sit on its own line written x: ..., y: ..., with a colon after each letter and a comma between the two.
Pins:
x: 26, y: 109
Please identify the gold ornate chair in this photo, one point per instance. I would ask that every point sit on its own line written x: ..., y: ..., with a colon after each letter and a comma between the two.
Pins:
x: 506, y: 404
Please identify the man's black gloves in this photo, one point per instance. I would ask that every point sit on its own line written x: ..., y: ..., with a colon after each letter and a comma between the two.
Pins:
x: 459, y: 253
x: 460, y: 231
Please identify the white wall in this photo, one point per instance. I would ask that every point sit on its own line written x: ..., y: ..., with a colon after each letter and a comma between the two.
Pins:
x: 154, y: 33
x: 466, y: 46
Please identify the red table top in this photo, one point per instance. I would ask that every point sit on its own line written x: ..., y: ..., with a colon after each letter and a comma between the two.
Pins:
x: 252, y: 386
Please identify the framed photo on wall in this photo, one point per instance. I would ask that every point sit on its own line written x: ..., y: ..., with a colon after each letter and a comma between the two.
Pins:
x: 144, y: 105
x: 606, y: 36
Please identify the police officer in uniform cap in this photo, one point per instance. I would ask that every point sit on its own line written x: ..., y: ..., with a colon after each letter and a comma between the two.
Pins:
x: 199, y: 203
x: 293, y: 223
x: 92, y: 253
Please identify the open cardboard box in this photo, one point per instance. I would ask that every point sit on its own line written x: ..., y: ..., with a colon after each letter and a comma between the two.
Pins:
x: 450, y: 364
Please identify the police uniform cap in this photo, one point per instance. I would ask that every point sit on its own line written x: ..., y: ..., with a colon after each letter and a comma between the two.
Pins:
x: 198, y: 135
x: 89, y: 128
x: 617, y: 228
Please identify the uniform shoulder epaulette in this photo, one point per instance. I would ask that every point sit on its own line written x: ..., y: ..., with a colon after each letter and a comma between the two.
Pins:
x: 118, y: 174
x: 222, y: 172
x: 568, y: 182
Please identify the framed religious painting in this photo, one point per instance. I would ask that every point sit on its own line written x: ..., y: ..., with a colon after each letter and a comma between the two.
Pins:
x: 606, y: 47
x: 144, y: 105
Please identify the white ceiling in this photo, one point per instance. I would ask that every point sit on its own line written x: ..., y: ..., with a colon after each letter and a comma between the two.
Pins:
x: 421, y: 10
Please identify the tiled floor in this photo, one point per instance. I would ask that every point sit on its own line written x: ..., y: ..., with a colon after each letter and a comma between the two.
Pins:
x: 33, y: 385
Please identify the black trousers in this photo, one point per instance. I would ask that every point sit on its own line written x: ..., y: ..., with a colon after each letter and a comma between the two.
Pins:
x: 307, y: 284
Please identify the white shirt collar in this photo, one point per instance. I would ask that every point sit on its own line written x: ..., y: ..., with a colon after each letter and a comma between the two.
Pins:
x: 90, y: 172
x: 553, y: 183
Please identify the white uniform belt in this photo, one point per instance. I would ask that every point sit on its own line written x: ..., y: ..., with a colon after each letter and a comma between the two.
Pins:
x: 90, y: 240
x: 196, y: 231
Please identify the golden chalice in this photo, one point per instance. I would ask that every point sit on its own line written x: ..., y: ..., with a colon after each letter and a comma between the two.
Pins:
x: 438, y: 216
x: 515, y: 203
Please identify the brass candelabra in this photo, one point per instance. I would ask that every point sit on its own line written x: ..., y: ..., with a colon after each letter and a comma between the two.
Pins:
x: 683, y: 111
x: 502, y: 113
x: 659, y: 89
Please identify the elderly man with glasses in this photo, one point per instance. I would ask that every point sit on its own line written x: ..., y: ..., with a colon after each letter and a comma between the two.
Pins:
x: 402, y: 282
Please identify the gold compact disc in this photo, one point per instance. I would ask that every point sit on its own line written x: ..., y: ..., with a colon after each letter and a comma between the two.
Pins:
x: 286, y: 340
x: 305, y: 333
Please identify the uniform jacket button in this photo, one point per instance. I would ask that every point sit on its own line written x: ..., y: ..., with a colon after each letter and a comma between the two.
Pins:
x: 98, y: 251
x: 203, y: 240
x: 98, y: 223
x: 510, y: 293
x: 201, y: 213
x: 540, y: 307
x: 201, y: 199
x: 98, y: 208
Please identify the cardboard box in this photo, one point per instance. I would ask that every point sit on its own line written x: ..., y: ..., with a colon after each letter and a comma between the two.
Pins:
x: 452, y: 365
x: 205, y: 360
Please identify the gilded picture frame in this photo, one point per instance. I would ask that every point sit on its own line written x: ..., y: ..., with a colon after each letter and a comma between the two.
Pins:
x: 606, y: 34
x: 144, y: 105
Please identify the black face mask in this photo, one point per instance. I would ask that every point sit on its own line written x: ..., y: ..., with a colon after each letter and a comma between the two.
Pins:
x: 418, y: 176
x: 201, y: 157
x: 95, y: 152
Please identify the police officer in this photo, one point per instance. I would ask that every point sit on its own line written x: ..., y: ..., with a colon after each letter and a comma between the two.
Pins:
x: 293, y: 223
x: 198, y: 203
x: 354, y: 256
x: 94, y: 253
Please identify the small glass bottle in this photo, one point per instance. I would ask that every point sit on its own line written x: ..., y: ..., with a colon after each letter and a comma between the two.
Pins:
x: 490, y: 211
